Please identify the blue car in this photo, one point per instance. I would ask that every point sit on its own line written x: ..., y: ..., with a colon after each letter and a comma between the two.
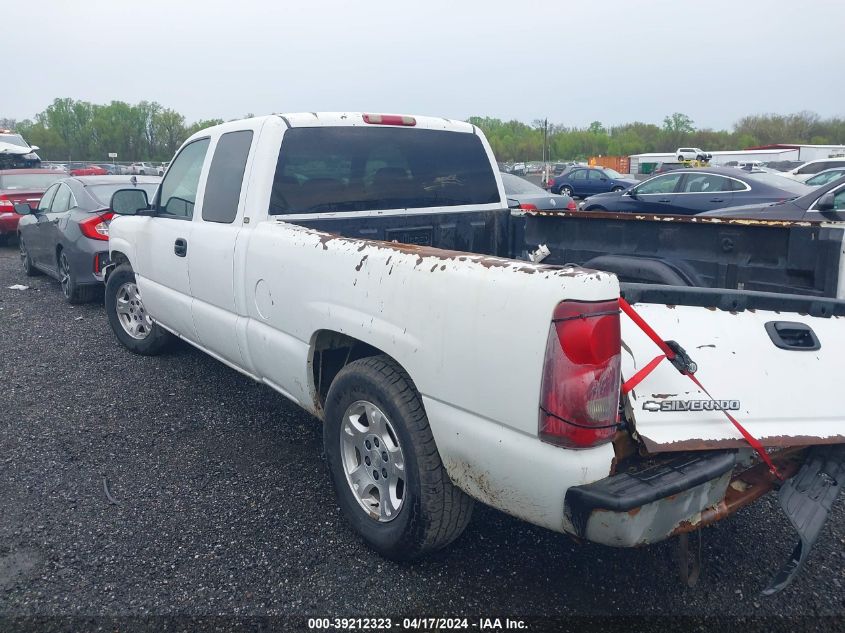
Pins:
x: 692, y: 191
x: 588, y: 181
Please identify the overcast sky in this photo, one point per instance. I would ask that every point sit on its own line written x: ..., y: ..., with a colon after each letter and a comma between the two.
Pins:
x: 571, y: 61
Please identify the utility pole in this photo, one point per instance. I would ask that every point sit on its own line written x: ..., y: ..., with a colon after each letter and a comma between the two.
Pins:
x: 546, y: 156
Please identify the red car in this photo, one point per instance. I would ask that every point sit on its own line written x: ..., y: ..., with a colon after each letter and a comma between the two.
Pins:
x: 22, y: 185
x: 88, y: 170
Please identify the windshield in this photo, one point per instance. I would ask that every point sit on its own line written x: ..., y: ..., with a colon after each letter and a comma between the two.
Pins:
x: 103, y: 193
x: 30, y: 181
x: 781, y: 182
x: 326, y: 169
x: 13, y: 139
x: 612, y: 173
x: 515, y: 185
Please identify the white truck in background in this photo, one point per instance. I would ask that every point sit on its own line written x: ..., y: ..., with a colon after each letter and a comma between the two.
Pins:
x: 362, y: 266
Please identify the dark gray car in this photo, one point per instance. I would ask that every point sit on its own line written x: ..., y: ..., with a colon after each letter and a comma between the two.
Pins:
x: 530, y: 196
x: 67, y: 236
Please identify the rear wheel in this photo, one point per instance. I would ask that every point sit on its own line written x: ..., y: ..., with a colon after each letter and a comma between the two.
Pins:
x: 390, y: 481
x: 617, y: 189
x: 680, y: 159
x: 73, y: 292
x: 128, y: 318
x: 566, y: 190
x: 26, y: 261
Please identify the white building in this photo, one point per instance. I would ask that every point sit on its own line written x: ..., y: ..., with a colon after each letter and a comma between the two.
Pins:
x: 645, y: 163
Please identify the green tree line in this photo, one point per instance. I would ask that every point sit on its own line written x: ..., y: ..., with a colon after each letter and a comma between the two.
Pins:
x: 517, y: 141
x: 78, y: 130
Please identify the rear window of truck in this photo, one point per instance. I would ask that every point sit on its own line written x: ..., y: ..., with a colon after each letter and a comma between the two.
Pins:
x: 332, y: 169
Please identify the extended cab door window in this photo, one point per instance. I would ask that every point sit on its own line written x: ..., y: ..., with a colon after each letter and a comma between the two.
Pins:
x: 178, y: 191
x: 223, y: 189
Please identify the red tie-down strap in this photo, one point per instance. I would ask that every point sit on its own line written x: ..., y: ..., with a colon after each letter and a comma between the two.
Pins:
x: 676, y: 355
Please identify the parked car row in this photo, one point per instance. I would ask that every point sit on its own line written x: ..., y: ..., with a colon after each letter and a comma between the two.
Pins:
x: 65, y: 233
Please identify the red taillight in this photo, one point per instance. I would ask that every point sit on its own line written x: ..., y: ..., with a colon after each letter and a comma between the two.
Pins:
x: 527, y: 206
x: 96, y: 227
x: 571, y: 206
x: 389, y: 119
x: 579, y: 399
x: 550, y: 183
x: 6, y: 204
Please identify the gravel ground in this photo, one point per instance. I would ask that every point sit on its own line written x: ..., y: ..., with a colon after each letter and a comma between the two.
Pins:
x: 217, y: 501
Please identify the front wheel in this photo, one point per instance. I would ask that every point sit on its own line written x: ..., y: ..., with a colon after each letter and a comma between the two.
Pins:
x: 128, y: 318
x: 390, y: 482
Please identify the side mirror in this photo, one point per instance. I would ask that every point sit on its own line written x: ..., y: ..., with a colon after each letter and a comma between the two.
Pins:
x: 34, y: 148
x: 129, y: 201
x: 22, y: 208
x: 632, y: 193
x: 825, y: 203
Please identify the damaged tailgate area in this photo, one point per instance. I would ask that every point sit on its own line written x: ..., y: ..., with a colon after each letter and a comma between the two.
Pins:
x: 652, y: 499
x: 677, y: 471
x: 766, y: 359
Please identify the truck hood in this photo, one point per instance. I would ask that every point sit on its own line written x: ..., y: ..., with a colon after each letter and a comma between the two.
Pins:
x: 783, y: 397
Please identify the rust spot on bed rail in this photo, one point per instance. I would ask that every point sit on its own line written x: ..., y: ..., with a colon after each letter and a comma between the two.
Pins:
x: 441, y: 255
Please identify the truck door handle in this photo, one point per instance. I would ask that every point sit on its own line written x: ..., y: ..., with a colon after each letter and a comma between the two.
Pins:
x: 181, y: 247
x: 664, y: 200
x: 717, y: 200
x: 793, y: 336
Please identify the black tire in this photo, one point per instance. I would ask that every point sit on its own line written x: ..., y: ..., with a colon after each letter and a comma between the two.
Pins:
x: 680, y: 159
x: 434, y: 512
x: 156, y: 341
x: 615, y: 189
x: 29, y: 268
x: 566, y: 190
x: 595, y: 208
x: 74, y: 293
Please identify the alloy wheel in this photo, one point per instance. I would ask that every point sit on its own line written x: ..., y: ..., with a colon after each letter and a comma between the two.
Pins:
x: 373, y: 460
x: 64, y: 274
x: 23, y: 253
x: 131, y: 313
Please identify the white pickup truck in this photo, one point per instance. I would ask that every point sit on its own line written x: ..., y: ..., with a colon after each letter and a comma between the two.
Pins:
x: 361, y: 265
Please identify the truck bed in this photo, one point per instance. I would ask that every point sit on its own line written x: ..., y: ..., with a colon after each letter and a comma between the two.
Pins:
x: 769, y: 256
